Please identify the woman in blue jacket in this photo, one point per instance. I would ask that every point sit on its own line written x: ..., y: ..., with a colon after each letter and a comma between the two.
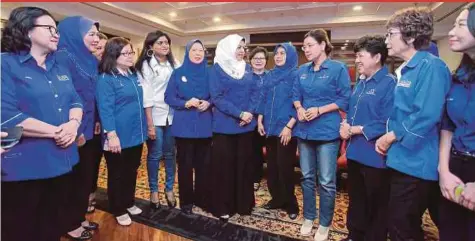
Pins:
x: 120, y: 102
x: 188, y: 94
x: 371, y: 104
x: 76, y: 46
x: 38, y: 95
x: 235, y: 95
x: 277, y: 118
x: 412, y: 139
x: 322, y: 89
x: 457, y: 138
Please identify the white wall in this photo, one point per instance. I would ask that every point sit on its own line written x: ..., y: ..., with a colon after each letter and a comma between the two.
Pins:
x: 452, y: 59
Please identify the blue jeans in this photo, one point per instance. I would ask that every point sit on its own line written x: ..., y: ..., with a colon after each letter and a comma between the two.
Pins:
x: 318, y: 158
x: 163, y: 147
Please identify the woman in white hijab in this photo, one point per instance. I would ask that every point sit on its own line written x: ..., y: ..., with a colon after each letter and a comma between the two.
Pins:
x: 235, y: 97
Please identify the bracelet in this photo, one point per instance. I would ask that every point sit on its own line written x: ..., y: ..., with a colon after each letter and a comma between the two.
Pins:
x: 318, y: 111
x: 288, y: 127
x: 77, y: 120
x: 349, y: 131
x: 112, y: 137
x: 240, y: 116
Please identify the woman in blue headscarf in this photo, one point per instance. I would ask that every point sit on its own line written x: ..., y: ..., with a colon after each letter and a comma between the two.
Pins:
x: 76, y: 46
x: 188, y: 93
x: 277, y: 117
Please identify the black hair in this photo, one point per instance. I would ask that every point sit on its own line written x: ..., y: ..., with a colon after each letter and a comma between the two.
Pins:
x: 259, y: 49
x: 21, y: 21
x: 320, y: 35
x: 112, y: 52
x: 373, y: 45
x: 149, y: 41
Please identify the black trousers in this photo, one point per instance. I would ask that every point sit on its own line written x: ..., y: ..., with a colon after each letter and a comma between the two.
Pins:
x: 97, y: 152
x: 409, y: 198
x: 32, y: 210
x: 231, y: 165
x: 194, y: 154
x: 456, y: 222
x: 258, y: 162
x: 368, y: 209
x: 82, y: 178
x: 122, y: 177
x: 280, y: 174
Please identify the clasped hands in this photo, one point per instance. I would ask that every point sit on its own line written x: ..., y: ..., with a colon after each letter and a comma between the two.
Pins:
x: 308, y: 114
x: 201, y: 105
x: 66, y: 133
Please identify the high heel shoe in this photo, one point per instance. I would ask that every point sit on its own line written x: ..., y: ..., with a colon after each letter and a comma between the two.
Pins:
x: 171, y: 201
x: 154, y: 201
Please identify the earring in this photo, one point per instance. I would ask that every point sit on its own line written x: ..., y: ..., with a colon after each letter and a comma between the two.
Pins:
x: 150, y: 53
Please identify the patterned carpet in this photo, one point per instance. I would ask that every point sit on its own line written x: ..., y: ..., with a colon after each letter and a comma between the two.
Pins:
x: 262, y: 219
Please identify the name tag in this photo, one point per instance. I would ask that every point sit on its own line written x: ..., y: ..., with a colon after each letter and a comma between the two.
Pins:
x: 404, y: 83
x: 62, y: 77
x: 371, y: 92
x: 183, y: 78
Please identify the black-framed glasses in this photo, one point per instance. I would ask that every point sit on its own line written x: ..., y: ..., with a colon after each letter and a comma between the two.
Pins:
x: 128, y: 54
x: 52, y: 29
x: 258, y: 59
x: 388, y: 35
x: 161, y: 43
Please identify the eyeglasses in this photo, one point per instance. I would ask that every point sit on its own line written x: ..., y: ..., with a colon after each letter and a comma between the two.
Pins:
x: 308, y: 46
x: 258, y: 59
x: 128, y: 54
x: 52, y: 29
x: 161, y: 43
x: 390, y: 34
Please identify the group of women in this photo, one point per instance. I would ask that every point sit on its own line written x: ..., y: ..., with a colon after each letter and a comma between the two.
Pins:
x: 78, y: 96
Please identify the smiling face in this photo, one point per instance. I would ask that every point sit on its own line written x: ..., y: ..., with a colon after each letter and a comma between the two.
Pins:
x: 126, y: 57
x: 197, y: 53
x: 366, y: 64
x: 258, y: 61
x: 460, y: 38
x: 91, y: 39
x: 161, y: 47
x: 280, y: 56
x: 45, y: 35
x: 240, y: 51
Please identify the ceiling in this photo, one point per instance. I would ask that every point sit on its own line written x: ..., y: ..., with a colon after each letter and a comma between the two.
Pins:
x: 184, y: 20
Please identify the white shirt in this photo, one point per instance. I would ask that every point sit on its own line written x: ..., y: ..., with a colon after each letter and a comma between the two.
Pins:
x: 154, y: 83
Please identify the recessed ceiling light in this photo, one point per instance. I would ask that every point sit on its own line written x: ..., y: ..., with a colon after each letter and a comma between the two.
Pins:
x: 357, y: 8
x: 346, y: 41
x: 343, y: 48
x: 172, y: 14
x: 346, y: 44
x: 217, y: 19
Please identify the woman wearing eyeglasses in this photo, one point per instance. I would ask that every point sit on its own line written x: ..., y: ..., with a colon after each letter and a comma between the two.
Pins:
x: 457, y: 142
x: 188, y: 94
x: 37, y: 93
x: 258, y: 58
x: 412, y: 139
x: 322, y: 89
x: 235, y: 96
x: 155, y: 66
x: 120, y: 102
x: 76, y: 47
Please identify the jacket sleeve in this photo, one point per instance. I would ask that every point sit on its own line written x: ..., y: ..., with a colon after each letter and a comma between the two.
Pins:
x: 218, y: 93
x: 343, y: 89
x: 11, y: 115
x: 171, y: 94
x: 105, y: 95
x: 430, y: 93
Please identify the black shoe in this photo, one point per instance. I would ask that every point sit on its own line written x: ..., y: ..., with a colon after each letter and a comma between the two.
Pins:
x: 224, y: 218
x: 91, y: 226
x: 293, y: 216
x: 171, y: 200
x: 85, y: 235
x: 187, y: 210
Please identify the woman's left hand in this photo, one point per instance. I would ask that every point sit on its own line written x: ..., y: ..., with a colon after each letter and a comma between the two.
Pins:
x: 384, y: 142
x: 68, y: 133
x: 467, y: 199
x: 203, y: 106
x: 285, y: 136
x: 312, y: 113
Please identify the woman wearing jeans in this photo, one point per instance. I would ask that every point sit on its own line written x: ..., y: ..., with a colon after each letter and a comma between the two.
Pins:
x: 322, y: 88
x: 155, y: 66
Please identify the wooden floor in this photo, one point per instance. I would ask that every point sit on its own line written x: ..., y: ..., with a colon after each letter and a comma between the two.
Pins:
x: 109, y: 230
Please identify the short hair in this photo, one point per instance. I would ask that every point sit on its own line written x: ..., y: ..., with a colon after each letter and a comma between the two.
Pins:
x: 102, y: 36
x: 112, y: 52
x: 320, y: 35
x: 373, y: 45
x: 21, y: 21
x: 259, y: 49
x: 416, y: 23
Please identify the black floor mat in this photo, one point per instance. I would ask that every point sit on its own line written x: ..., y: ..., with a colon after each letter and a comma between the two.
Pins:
x: 194, y: 226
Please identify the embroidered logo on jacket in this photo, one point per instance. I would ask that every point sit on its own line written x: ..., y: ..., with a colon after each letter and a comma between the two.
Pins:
x: 404, y: 83
x: 371, y: 92
x: 62, y: 77
x: 183, y: 78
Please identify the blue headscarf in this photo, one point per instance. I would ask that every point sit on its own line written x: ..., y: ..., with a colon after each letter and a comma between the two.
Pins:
x: 196, y: 74
x: 72, y: 31
x: 279, y: 73
x: 432, y: 49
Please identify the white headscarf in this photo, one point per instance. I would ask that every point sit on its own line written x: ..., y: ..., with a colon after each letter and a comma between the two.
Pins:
x: 226, y: 56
